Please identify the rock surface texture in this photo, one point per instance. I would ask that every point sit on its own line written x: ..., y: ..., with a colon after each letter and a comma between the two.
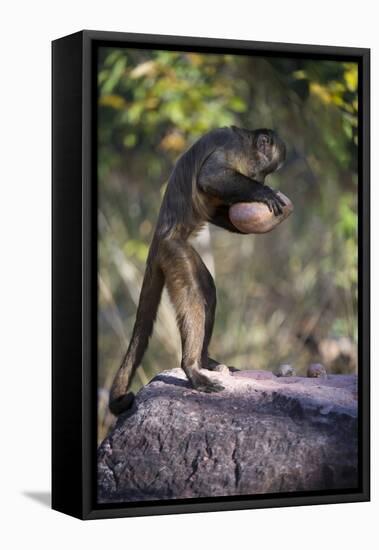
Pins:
x: 262, y: 434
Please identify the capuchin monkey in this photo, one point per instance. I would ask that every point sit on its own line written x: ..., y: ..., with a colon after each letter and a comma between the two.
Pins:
x: 224, y: 167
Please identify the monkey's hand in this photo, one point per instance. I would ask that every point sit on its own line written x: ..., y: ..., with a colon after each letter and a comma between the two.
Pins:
x: 269, y: 197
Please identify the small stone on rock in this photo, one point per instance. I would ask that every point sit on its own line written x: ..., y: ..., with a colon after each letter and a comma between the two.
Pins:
x: 285, y: 370
x: 316, y: 370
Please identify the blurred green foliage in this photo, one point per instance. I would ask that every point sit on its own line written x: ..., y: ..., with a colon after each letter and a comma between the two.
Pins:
x: 282, y: 297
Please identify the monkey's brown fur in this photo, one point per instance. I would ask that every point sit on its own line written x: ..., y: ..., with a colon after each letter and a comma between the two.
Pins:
x: 223, y: 167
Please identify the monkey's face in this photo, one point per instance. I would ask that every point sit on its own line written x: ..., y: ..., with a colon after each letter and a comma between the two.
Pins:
x: 269, y: 153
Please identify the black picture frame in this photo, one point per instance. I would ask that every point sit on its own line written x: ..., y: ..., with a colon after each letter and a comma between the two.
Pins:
x: 74, y: 294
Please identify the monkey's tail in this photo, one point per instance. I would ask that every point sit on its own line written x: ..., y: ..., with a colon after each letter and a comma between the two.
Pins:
x: 120, y: 399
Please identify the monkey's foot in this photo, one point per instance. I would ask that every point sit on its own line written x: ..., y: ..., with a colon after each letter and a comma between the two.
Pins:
x: 121, y: 404
x: 201, y: 382
x: 209, y: 386
x: 215, y: 366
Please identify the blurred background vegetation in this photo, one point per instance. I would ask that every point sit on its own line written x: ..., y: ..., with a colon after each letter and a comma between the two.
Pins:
x: 289, y: 296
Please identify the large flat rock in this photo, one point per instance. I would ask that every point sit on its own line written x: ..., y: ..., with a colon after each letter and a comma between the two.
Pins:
x: 262, y: 434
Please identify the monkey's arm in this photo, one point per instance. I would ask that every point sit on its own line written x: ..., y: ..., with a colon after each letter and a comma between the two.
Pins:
x: 221, y: 218
x: 231, y: 187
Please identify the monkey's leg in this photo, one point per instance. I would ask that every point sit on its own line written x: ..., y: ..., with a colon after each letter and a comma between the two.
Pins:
x: 210, y: 310
x: 191, y: 290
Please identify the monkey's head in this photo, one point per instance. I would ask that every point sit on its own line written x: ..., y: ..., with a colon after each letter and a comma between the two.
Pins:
x: 263, y: 149
x: 268, y: 153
